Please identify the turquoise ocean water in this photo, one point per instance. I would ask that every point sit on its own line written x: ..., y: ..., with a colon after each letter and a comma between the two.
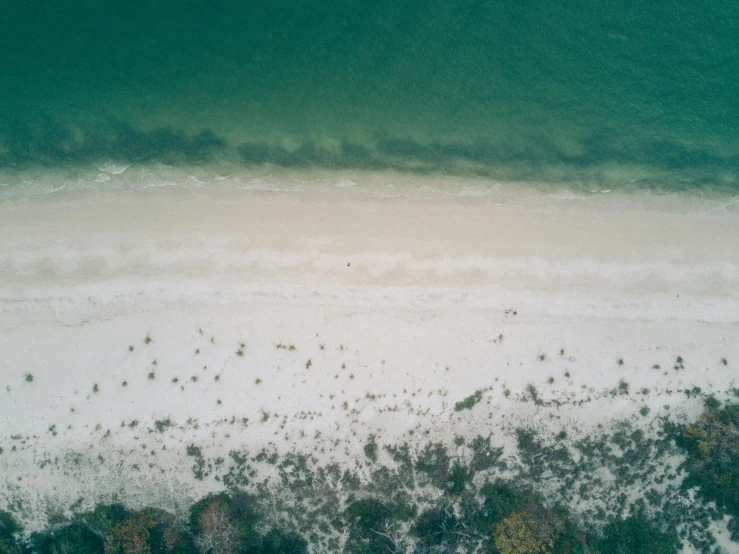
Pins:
x: 615, y: 94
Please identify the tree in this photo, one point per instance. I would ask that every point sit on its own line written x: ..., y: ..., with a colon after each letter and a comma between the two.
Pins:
x: 713, y: 456
x: 636, y: 535
x: 8, y: 531
x: 75, y: 538
x: 530, y: 531
x: 217, y: 533
x: 131, y: 536
x: 279, y: 542
x: 437, y: 527
x: 373, y: 527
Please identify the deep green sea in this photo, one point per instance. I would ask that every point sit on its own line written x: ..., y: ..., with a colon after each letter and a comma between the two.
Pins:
x: 611, y: 94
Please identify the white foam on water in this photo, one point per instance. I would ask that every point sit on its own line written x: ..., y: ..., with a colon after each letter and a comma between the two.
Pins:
x: 110, y: 167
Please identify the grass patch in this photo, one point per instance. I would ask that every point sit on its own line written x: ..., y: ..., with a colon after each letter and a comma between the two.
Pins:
x: 162, y: 424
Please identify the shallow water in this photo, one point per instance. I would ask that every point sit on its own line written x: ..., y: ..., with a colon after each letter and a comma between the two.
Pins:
x: 612, y: 95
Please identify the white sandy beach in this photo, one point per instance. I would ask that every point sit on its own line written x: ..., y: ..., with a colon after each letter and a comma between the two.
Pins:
x: 396, y: 309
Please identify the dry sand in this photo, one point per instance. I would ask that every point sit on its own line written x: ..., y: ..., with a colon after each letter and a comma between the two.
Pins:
x: 357, y: 317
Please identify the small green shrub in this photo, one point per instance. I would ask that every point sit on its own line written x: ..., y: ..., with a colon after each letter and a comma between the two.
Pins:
x: 469, y: 402
x: 163, y: 424
x: 370, y: 450
x: 636, y: 535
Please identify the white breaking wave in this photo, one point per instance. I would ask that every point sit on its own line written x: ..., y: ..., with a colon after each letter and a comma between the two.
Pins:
x: 113, y: 169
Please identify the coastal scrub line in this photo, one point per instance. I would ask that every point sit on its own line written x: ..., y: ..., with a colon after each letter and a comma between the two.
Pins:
x: 429, y: 500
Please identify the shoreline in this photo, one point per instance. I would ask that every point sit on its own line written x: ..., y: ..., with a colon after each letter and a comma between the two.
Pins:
x: 233, y: 181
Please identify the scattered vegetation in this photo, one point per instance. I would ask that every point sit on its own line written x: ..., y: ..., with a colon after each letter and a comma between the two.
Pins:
x: 431, y: 502
x: 162, y: 424
x: 469, y: 402
x: 622, y: 388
